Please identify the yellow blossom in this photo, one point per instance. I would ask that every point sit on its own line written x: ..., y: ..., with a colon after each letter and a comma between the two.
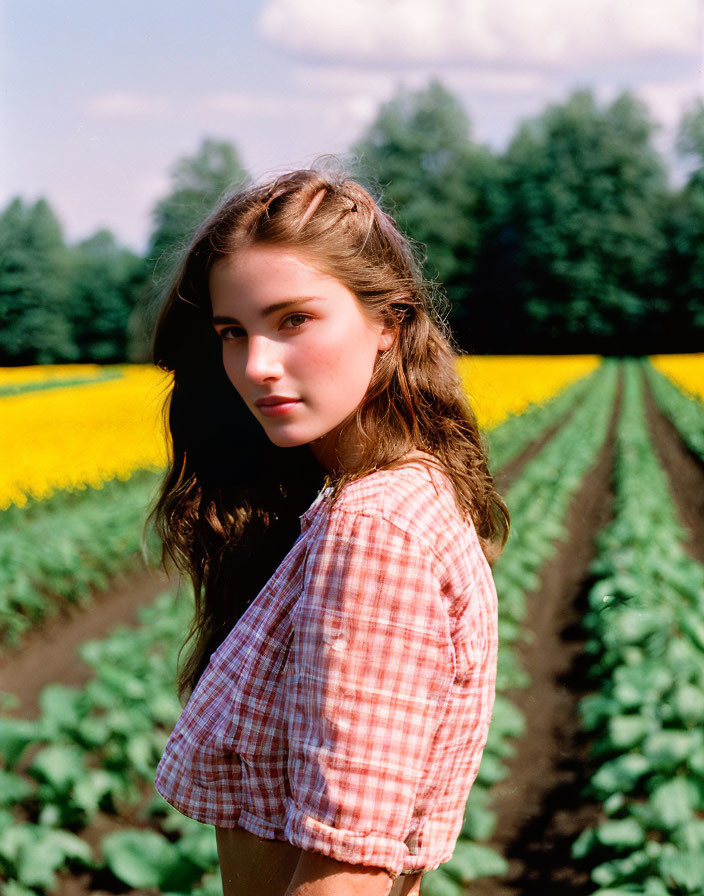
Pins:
x: 686, y: 371
x: 500, y: 385
x: 39, y: 373
x: 81, y: 436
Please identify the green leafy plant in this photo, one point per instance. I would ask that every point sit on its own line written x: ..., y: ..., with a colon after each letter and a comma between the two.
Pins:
x: 647, y: 715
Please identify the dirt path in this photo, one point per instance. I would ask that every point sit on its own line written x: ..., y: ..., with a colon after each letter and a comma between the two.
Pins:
x: 685, y: 473
x: 539, y: 805
x: 48, y: 654
x: 506, y: 476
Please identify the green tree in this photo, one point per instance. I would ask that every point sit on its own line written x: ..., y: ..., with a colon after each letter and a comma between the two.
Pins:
x: 685, y: 236
x: 105, y: 280
x: 34, y: 287
x: 585, y: 194
x: 198, y: 183
x: 436, y: 182
x: 690, y: 140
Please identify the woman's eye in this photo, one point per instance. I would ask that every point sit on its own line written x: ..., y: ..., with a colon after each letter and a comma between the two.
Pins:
x: 301, y: 317
x: 296, y: 321
x: 230, y: 332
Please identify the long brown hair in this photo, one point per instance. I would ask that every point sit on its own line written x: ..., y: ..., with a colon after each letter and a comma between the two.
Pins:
x: 229, y: 505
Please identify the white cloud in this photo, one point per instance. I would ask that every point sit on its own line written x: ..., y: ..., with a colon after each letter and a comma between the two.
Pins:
x: 341, y: 79
x: 378, y: 84
x: 300, y: 124
x: 470, y: 32
x: 667, y: 100
x: 126, y: 105
x: 492, y: 82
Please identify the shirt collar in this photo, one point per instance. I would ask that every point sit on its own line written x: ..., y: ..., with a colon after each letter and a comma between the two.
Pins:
x: 307, y: 517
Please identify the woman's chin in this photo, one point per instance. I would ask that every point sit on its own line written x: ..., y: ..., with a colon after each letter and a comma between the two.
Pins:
x: 286, y: 440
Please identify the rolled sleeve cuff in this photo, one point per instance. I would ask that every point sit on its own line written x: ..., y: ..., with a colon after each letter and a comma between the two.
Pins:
x: 374, y: 849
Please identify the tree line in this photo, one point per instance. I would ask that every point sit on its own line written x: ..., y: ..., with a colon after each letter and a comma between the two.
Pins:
x: 571, y: 240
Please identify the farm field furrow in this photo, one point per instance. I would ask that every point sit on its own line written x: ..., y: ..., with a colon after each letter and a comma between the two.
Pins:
x: 86, y: 765
x: 646, y: 716
x: 59, y: 553
x: 685, y: 472
x: 538, y: 805
x: 514, y: 442
x: 540, y: 850
x: 49, y: 653
x: 540, y: 501
x: 683, y: 409
x: 505, y: 476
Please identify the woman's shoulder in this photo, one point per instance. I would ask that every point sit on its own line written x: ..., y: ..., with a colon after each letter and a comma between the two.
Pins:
x: 416, y: 496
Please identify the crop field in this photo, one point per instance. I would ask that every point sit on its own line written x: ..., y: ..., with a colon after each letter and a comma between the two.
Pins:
x: 592, y: 781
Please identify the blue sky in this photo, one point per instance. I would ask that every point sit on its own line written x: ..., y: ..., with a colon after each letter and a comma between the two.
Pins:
x: 99, y: 99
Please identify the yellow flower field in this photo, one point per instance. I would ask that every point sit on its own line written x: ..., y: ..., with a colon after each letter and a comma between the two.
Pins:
x: 15, y: 376
x: 501, y: 385
x: 78, y: 436
x: 686, y: 371
x: 81, y: 436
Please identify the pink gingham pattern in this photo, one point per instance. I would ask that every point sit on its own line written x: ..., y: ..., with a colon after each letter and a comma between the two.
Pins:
x: 348, y: 709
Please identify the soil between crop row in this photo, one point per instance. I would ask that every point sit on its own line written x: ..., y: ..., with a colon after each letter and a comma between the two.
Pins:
x: 685, y: 473
x: 539, y: 805
x: 49, y: 653
x: 506, y: 476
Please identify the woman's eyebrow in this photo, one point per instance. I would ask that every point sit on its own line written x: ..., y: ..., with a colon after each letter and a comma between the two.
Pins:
x: 270, y: 309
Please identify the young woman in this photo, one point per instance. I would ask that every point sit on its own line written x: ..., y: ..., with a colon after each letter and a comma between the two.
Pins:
x: 329, y: 497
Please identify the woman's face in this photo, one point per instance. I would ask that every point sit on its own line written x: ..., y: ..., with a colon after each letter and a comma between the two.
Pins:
x: 289, y: 331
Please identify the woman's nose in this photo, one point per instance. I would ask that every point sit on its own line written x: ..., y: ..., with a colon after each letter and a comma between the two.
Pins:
x: 263, y: 359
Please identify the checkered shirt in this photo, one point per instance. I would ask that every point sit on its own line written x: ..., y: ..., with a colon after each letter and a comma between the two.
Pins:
x: 347, y: 710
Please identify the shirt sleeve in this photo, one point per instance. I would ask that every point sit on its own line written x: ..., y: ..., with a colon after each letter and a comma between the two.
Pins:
x: 370, y: 668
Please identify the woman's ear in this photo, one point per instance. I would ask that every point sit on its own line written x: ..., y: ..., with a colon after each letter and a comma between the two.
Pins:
x: 386, y: 338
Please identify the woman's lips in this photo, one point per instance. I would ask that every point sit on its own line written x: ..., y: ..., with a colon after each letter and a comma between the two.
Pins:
x: 278, y: 409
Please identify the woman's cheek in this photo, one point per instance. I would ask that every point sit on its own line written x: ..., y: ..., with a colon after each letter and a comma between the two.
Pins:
x: 234, y: 368
x: 319, y: 356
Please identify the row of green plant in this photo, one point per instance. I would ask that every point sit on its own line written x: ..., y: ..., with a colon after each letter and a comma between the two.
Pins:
x: 646, y: 628
x: 108, y: 373
x: 63, y: 549
x: 512, y: 436
x: 685, y: 411
x: 539, y: 502
x: 95, y: 750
